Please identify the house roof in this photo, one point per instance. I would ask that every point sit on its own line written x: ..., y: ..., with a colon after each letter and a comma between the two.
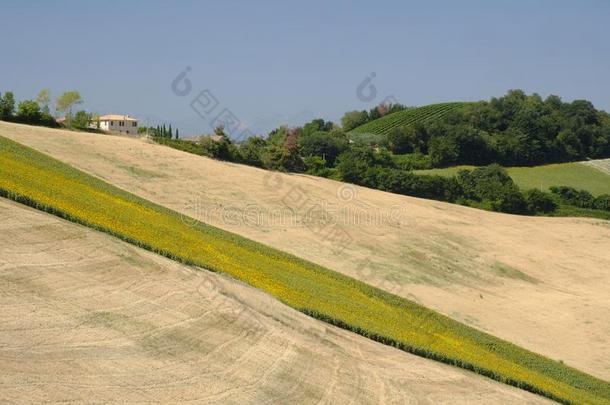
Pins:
x: 117, y: 117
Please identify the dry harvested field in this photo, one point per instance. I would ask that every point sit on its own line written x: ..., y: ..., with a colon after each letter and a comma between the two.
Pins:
x: 87, y: 318
x: 538, y: 282
x: 603, y: 165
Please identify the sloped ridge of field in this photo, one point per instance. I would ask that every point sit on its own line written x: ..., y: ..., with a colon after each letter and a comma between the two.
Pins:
x: 45, y: 183
x: 86, y: 318
x: 73, y: 299
x: 383, y: 125
x: 540, y: 283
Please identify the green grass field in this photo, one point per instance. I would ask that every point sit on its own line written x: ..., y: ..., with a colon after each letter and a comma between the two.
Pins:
x: 40, y: 181
x: 383, y: 125
x: 575, y: 175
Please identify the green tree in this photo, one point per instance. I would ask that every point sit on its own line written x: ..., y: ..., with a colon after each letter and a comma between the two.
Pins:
x: 44, y: 99
x: 7, y: 106
x: 28, y: 111
x: 402, y: 140
x: 444, y: 150
x: 316, y: 166
x: 278, y: 157
x: 353, y: 119
x: 251, y: 151
x: 572, y: 196
x: 220, y: 131
x: 66, y: 102
x: 353, y: 164
x: 177, y: 134
x: 316, y: 125
x: 539, y: 201
x: 602, y: 202
x: 490, y: 183
x: 512, y: 202
x: 327, y: 145
x: 81, y: 120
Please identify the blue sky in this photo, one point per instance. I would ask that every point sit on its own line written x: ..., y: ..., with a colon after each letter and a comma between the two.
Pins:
x: 284, y: 62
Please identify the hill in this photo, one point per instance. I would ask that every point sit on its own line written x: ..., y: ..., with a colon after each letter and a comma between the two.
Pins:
x: 581, y: 175
x: 383, y: 125
x: 430, y: 272
x: 465, y: 263
x: 37, y: 180
x: 75, y: 299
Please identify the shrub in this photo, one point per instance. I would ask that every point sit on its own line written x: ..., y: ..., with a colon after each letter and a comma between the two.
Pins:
x: 572, y: 196
x: 602, y: 202
x: 486, y: 183
x: 539, y: 201
x: 512, y: 202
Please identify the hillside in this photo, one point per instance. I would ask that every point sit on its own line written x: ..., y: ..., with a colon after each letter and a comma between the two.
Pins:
x: 37, y: 180
x: 385, y: 124
x: 588, y: 176
x: 602, y: 165
x: 75, y: 299
x: 468, y: 264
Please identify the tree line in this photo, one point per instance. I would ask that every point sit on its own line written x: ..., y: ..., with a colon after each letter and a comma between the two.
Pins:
x: 38, y: 111
x: 160, y: 132
x: 514, y: 129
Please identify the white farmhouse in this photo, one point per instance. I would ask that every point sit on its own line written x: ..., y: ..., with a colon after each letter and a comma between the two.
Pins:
x: 123, y: 124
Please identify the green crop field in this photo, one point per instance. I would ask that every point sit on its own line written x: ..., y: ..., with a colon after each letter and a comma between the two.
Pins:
x: 40, y: 181
x: 384, y: 125
x: 577, y: 175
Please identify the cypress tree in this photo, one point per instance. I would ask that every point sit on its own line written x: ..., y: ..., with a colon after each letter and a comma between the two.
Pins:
x: 170, y: 133
x: 177, y: 134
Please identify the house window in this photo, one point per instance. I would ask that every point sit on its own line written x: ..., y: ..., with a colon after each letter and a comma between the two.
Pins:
x: 134, y: 124
x: 111, y: 123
